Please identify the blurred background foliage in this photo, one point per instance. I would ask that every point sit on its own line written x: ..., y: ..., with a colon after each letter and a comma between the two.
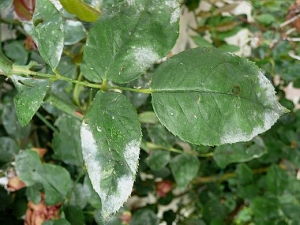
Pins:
x: 256, y: 182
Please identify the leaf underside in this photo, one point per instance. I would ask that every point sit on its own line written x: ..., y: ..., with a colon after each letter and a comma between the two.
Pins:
x: 209, y: 97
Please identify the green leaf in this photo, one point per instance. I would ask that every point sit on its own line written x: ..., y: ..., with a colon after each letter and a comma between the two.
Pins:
x: 74, y: 215
x: 78, y: 196
x: 266, y: 18
x: 184, y: 168
x: 110, y: 139
x: 74, y: 32
x: 8, y: 149
x: 30, y: 97
x: 265, y: 209
x: 55, y: 179
x: 48, y: 32
x: 33, y: 193
x: 64, y: 149
x: 82, y: 10
x: 11, y: 123
x: 209, y: 97
x: 158, y: 159
x: 148, y: 117
x: 239, y: 152
x: 144, y: 217
x: 5, y: 64
x: 16, y: 51
x: 92, y: 197
x: 125, y: 41
x: 56, y: 222
x: 276, y: 180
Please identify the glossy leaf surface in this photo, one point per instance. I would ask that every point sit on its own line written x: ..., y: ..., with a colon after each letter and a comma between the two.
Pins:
x: 209, y: 97
x: 31, y: 93
x: 110, y: 139
x: 48, y: 32
x: 124, y: 42
x: 82, y: 10
x: 55, y: 179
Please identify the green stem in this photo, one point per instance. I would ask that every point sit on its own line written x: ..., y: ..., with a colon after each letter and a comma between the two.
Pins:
x: 21, y: 70
x: 76, y: 91
x: 45, y: 121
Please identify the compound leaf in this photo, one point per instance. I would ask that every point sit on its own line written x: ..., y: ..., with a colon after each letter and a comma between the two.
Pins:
x: 48, y: 32
x: 209, y: 97
x: 125, y: 41
x: 110, y: 139
x: 30, y: 97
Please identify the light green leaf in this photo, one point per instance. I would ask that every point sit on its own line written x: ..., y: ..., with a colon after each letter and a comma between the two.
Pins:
x: 266, y: 18
x: 82, y: 10
x: 48, y: 32
x: 78, y: 196
x: 239, y: 152
x: 148, y: 117
x: 5, y: 65
x: 110, y: 139
x: 31, y: 93
x: 184, y: 168
x: 125, y: 41
x: 55, y: 179
x: 64, y: 149
x: 209, y: 97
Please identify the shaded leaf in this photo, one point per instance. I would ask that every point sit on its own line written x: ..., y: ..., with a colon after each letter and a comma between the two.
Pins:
x: 31, y: 93
x: 74, y: 215
x: 184, y: 168
x: 158, y: 159
x: 110, y: 139
x: 276, y: 180
x: 8, y: 149
x: 78, y: 196
x: 239, y: 152
x: 129, y: 38
x: 82, y: 10
x: 56, y: 222
x: 55, y: 179
x: 64, y: 149
x: 144, y: 217
x: 48, y: 32
x: 74, y: 32
x: 15, y: 50
x: 210, y: 97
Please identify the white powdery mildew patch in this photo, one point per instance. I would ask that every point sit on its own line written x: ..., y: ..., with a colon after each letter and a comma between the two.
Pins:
x: 131, y: 154
x: 115, y: 201
x: 144, y: 56
x: 89, y: 150
x: 176, y: 13
x: 269, y: 117
x: 130, y: 2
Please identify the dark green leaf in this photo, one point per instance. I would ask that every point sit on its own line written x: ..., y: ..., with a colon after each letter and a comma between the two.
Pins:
x: 78, y: 196
x: 55, y: 179
x: 265, y: 209
x: 56, y: 222
x: 210, y: 97
x: 8, y: 149
x: 144, y: 217
x: 64, y: 149
x: 158, y: 159
x: 11, y: 123
x: 125, y: 41
x: 239, y: 152
x: 30, y: 97
x: 15, y: 50
x: 276, y: 180
x: 74, y: 215
x: 184, y: 168
x: 48, y: 32
x: 110, y: 139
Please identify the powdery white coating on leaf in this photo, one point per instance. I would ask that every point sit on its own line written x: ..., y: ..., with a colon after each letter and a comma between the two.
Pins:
x: 131, y: 154
x: 115, y: 201
x: 176, y: 13
x: 144, y: 56
x: 89, y: 149
x: 270, y: 116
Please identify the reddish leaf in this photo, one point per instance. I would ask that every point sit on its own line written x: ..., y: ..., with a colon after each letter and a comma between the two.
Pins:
x: 24, y: 8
